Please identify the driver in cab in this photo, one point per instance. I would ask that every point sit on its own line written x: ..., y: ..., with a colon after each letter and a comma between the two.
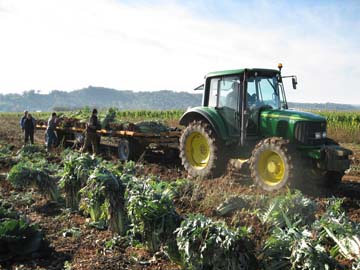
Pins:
x: 232, y: 97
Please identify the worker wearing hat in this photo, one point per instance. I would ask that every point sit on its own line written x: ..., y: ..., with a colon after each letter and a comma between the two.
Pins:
x: 91, y: 137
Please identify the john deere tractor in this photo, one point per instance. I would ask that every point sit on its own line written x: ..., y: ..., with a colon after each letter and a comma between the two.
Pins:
x: 245, y: 116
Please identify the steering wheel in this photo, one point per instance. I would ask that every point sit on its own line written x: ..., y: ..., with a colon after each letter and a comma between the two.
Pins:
x: 252, y: 99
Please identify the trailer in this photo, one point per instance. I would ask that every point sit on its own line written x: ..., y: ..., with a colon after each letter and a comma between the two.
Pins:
x: 129, y: 145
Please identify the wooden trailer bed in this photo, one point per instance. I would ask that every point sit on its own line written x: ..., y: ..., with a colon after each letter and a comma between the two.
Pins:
x: 130, y: 144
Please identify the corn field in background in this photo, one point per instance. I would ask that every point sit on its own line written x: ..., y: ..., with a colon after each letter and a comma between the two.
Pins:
x: 343, y: 126
x: 170, y: 117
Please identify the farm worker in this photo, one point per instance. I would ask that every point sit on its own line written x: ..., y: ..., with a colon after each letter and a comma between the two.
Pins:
x: 29, y: 128
x: 50, y: 132
x: 233, y: 97
x: 22, y: 120
x: 91, y: 138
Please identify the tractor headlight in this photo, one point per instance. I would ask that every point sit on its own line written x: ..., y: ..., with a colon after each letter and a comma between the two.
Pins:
x: 324, y: 134
x: 317, y: 135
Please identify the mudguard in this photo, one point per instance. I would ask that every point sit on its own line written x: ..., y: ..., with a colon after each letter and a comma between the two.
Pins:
x: 208, y: 114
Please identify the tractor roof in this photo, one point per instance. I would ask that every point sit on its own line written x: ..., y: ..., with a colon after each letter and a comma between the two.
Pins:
x: 239, y: 71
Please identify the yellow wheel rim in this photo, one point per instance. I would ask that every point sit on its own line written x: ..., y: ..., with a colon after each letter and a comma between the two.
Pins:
x: 197, y: 150
x: 271, y: 168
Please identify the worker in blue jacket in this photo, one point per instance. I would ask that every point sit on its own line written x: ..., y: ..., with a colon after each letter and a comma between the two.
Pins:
x: 22, y: 120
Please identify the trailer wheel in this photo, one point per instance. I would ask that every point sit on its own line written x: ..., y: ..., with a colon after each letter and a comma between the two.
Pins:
x: 79, y: 140
x: 129, y: 150
x: 273, y: 164
x: 201, y: 152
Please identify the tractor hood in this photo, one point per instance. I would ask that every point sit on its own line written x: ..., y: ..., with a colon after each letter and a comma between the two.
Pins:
x: 282, y: 123
x: 291, y: 115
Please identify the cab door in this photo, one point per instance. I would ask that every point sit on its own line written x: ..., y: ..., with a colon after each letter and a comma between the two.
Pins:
x: 228, y: 103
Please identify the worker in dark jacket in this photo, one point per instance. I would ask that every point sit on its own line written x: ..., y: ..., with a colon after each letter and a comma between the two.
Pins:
x: 29, y: 128
x: 22, y: 120
x: 91, y: 137
x: 50, y: 132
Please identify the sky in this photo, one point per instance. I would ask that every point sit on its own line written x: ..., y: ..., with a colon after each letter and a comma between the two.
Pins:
x: 155, y: 45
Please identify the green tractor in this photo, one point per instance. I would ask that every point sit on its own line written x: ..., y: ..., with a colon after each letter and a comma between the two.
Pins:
x: 245, y: 117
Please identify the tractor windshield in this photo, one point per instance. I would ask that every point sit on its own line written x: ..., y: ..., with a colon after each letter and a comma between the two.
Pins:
x: 263, y: 91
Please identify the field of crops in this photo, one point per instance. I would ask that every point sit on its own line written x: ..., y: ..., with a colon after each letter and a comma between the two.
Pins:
x: 180, y: 221
x: 67, y: 210
x: 343, y: 126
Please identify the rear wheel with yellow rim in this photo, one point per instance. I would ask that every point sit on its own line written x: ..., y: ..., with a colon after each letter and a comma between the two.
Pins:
x: 201, y: 152
x: 272, y: 164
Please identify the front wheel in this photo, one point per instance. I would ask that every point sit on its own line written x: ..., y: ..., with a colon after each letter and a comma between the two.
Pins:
x: 272, y: 164
x: 201, y: 152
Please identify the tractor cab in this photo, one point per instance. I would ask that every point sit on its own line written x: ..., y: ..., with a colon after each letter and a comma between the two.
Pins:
x: 239, y: 96
x: 245, y: 116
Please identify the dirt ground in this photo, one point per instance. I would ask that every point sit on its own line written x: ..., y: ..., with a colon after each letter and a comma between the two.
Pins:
x: 72, y: 244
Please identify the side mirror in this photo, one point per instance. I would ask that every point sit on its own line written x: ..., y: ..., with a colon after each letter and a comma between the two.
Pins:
x: 294, y: 82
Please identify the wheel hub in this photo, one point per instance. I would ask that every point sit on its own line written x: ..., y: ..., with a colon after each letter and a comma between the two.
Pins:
x: 271, y: 167
x: 203, y: 149
x: 197, y: 150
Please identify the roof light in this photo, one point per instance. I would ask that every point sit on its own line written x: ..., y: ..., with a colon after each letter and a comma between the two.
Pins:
x: 280, y: 66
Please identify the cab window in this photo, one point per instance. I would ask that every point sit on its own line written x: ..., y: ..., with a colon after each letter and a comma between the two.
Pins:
x: 263, y: 91
x: 214, y: 83
x: 229, y: 92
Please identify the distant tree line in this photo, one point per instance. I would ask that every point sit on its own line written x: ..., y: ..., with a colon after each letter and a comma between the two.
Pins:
x: 98, y: 97
x: 324, y: 106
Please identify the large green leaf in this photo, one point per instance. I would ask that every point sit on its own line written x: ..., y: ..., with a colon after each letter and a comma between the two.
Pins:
x: 19, y: 237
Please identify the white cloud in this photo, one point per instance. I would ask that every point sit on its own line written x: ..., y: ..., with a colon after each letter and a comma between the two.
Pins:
x: 68, y: 44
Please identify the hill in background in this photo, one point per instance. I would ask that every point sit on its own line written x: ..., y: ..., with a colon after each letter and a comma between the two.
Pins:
x: 324, y: 106
x: 101, y: 97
